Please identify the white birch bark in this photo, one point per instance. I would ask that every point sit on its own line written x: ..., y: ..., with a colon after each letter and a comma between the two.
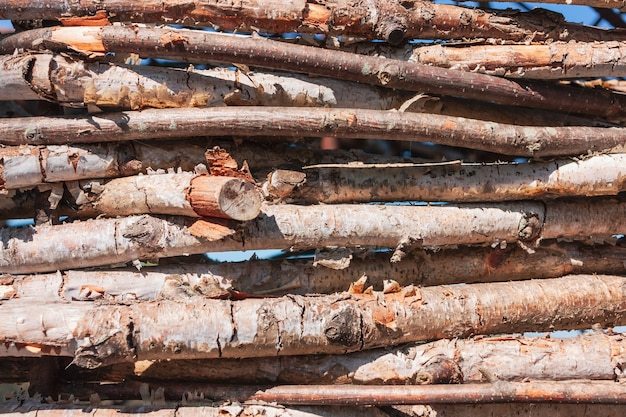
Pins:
x: 295, y: 325
x: 280, y: 277
x: 110, y: 241
x: 72, y: 82
x: 596, y: 356
x: 456, y: 181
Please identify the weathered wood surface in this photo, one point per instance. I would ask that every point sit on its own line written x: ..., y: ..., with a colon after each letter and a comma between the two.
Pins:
x: 197, y: 328
x: 596, y: 356
x: 323, y: 275
x: 532, y: 141
x: 390, y: 21
x: 456, y: 181
x: 102, y: 242
x: 77, y: 83
x: 200, y: 46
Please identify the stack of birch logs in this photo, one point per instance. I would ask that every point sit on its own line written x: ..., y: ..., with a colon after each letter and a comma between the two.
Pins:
x: 408, y: 281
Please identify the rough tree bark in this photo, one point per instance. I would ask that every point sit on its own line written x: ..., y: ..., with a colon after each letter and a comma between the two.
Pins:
x: 281, y: 277
x: 317, y: 122
x: 554, y: 61
x: 75, y: 83
x: 596, y: 356
x: 390, y: 21
x: 101, y: 334
x: 455, y: 181
x: 109, y: 241
x: 193, y: 46
x: 557, y: 60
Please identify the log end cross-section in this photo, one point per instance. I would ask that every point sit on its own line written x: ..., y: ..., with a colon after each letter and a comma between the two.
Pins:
x: 224, y: 197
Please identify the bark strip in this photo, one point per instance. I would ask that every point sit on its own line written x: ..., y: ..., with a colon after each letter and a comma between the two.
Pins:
x: 456, y: 181
x: 390, y: 21
x: 199, y: 46
x: 316, y: 122
x: 109, y: 241
x: 294, y: 325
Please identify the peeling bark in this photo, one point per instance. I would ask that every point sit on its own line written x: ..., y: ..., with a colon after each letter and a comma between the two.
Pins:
x: 554, y: 61
x: 108, y: 241
x: 294, y: 325
x: 455, y: 181
x: 596, y: 356
x: 390, y: 21
x: 193, y: 46
x: 281, y: 277
x: 75, y: 83
x: 182, y: 194
x: 316, y: 122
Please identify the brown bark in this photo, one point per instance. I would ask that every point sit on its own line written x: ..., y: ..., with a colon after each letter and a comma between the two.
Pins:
x: 97, y: 85
x: 455, y: 181
x: 317, y: 122
x: 554, y: 61
x: 390, y: 21
x: 199, y: 328
x: 106, y: 241
x: 76, y: 83
x: 191, y: 46
x: 596, y: 356
x: 281, y: 277
x: 598, y: 392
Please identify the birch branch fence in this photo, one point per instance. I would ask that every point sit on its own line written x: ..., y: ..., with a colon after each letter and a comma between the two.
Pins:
x: 407, y: 279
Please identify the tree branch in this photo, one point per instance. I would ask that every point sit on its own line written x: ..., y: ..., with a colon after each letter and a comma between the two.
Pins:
x: 108, y: 241
x: 317, y: 122
x: 455, y: 181
x: 597, y: 392
x: 197, y: 328
x: 390, y: 21
x: 193, y: 46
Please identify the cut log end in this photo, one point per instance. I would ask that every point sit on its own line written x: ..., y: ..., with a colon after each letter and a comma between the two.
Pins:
x: 225, y: 197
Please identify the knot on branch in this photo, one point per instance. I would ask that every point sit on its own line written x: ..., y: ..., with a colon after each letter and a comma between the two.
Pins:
x: 344, y: 328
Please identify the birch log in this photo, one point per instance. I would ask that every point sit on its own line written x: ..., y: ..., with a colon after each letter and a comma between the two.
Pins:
x: 316, y: 122
x: 182, y: 194
x: 456, y: 181
x: 194, y: 46
x: 110, y: 241
x: 78, y: 83
x: 596, y: 356
x: 390, y: 21
x: 181, y: 280
x: 74, y: 82
x: 198, y: 328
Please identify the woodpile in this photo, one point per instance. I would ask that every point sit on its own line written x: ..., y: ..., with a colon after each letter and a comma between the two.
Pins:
x: 410, y: 281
